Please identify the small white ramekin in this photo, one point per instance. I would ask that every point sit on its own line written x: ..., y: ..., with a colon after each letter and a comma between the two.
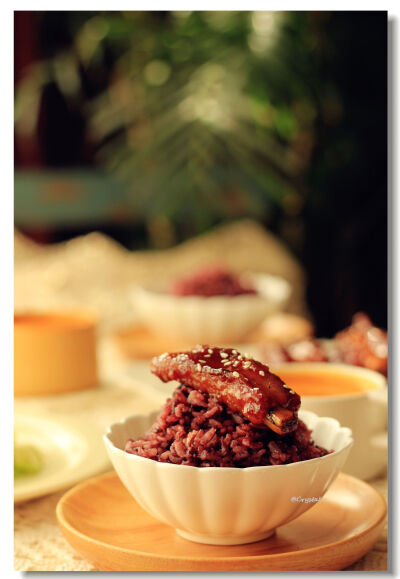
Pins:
x: 227, y: 506
x: 215, y: 319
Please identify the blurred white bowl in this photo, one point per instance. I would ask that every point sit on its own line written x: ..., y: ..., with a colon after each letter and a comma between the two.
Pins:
x: 365, y: 412
x: 227, y: 506
x: 215, y: 319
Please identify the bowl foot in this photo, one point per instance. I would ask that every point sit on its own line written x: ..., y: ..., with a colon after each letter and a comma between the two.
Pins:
x: 215, y: 540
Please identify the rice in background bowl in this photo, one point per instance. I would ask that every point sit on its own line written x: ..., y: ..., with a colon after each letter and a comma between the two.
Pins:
x: 215, y: 319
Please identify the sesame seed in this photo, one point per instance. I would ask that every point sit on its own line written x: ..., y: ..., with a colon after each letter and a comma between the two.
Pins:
x: 207, y: 356
x: 292, y: 391
x: 202, y: 361
x: 223, y: 354
x: 262, y: 373
x: 210, y: 351
x: 236, y: 374
x: 234, y: 351
x: 247, y: 365
x: 198, y: 367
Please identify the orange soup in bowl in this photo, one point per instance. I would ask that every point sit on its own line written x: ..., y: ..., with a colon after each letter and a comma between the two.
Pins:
x: 307, y: 383
x: 356, y: 397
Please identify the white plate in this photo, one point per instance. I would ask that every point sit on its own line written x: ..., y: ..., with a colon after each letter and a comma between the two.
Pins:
x: 72, y: 450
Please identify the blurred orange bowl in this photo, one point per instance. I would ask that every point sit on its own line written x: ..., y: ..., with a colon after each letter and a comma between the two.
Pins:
x: 54, y: 352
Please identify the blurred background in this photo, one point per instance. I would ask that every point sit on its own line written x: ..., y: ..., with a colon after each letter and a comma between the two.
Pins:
x: 149, y: 145
x: 155, y: 127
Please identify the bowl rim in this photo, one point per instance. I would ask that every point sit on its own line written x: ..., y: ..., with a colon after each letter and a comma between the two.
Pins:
x: 306, y: 413
x: 147, y: 290
x: 70, y: 320
x: 379, y: 379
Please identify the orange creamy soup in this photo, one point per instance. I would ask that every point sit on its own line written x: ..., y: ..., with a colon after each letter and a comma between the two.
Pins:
x: 53, y: 321
x: 314, y: 384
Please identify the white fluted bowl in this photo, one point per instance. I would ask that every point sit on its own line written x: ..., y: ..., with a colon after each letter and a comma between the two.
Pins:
x: 227, y: 506
x: 215, y: 319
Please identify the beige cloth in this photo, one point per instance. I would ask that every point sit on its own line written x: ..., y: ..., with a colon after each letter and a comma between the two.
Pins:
x: 95, y: 272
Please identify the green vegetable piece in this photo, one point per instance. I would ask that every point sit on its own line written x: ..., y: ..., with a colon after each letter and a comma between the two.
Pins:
x: 27, y: 460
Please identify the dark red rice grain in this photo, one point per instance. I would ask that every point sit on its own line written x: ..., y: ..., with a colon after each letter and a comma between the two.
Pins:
x: 195, y: 429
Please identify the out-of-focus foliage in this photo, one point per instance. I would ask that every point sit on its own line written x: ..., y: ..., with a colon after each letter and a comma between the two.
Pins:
x: 204, y: 115
x: 207, y: 116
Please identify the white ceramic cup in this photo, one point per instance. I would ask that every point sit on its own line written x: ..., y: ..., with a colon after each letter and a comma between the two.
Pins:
x: 365, y: 413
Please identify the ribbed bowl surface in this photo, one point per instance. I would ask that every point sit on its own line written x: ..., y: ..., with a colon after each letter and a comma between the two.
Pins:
x: 227, y: 505
x: 212, y: 319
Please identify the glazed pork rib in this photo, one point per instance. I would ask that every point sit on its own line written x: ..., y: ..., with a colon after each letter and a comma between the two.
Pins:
x: 244, y: 385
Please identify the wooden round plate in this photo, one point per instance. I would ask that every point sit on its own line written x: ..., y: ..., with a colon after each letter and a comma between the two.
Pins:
x: 101, y: 520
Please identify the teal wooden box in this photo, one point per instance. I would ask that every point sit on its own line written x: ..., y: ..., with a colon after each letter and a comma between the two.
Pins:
x: 69, y: 198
